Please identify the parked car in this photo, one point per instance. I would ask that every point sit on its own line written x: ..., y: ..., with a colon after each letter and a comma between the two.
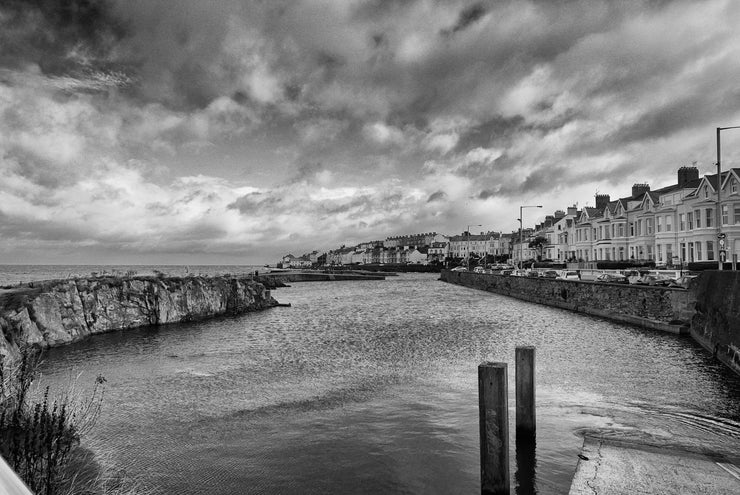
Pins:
x: 634, y: 277
x: 459, y: 269
x: 655, y: 279
x: 612, y: 278
x: 569, y: 275
x: 549, y: 274
x: 479, y: 269
x: 683, y: 281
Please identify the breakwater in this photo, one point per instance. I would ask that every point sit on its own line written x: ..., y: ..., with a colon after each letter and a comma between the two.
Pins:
x: 58, y: 312
x: 278, y: 279
x: 660, y: 308
x: 716, y: 323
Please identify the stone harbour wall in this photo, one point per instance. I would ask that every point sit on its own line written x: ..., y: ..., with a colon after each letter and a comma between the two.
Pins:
x: 661, y: 308
x: 716, y: 322
x: 58, y: 312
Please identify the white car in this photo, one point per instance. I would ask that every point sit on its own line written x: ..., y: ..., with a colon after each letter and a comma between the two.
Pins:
x: 569, y: 275
x: 459, y: 269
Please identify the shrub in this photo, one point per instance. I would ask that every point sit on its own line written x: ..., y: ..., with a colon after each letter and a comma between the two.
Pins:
x: 40, y: 435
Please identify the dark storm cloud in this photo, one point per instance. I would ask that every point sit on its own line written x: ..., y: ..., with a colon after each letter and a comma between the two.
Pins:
x: 256, y: 203
x: 57, y: 35
x: 436, y: 196
x: 467, y: 17
x: 497, y: 130
x: 486, y: 193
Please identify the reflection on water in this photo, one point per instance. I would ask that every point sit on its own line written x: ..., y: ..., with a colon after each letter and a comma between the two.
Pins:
x: 371, y: 387
x: 526, y: 463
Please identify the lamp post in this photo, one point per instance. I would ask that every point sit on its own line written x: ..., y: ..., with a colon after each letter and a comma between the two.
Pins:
x: 720, y: 235
x: 467, y: 231
x: 521, y: 241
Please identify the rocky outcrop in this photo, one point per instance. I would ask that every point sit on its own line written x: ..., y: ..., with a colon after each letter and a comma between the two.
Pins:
x: 54, y: 313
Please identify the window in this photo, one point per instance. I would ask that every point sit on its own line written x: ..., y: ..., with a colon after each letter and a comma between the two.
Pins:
x: 659, y: 223
x: 681, y: 221
x: 682, y: 251
x: 706, y: 191
x: 632, y: 229
x: 659, y: 251
x: 697, y: 216
x: 668, y: 221
x: 690, y: 220
x: 669, y: 252
x: 725, y: 214
x: 621, y: 230
x: 734, y: 185
x: 691, y: 251
x: 614, y: 230
x: 710, y: 250
x: 698, y: 251
x: 649, y: 224
x: 639, y: 227
x: 710, y: 214
x: 736, y: 211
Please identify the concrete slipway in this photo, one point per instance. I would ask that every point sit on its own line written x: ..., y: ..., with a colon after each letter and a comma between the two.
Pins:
x: 607, y: 467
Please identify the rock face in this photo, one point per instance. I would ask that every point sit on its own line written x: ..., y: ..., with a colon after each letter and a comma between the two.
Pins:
x: 59, y: 312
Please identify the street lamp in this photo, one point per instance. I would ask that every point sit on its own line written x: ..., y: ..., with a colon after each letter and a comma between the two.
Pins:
x: 467, y: 231
x: 720, y: 235
x: 521, y: 248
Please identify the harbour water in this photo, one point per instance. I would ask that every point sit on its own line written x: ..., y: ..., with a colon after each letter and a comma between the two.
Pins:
x: 371, y: 387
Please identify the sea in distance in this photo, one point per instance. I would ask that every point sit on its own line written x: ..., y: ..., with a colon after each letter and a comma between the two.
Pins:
x: 371, y: 387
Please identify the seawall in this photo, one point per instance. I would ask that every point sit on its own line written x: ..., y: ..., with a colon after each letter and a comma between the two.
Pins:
x: 716, y: 323
x: 659, y: 308
x: 58, y: 312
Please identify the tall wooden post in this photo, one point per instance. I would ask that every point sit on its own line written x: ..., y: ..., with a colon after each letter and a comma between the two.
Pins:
x: 493, y: 406
x: 525, y: 397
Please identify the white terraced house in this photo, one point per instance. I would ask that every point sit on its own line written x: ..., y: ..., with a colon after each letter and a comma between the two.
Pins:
x: 672, y: 225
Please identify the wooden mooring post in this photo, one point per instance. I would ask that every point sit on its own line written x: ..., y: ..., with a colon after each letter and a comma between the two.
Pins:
x: 493, y: 407
x: 525, y: 396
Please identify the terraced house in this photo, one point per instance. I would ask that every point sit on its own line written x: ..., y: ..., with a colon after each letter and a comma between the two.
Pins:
x: 672, y: 225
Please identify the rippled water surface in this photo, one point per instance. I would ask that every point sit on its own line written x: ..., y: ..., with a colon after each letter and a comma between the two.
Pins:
x: 371, y: 387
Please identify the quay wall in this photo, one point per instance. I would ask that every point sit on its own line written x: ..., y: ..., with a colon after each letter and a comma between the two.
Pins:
x: 660, y: 308
x: 277, y: 279
x: 58, y: 312
x: 716, y: 322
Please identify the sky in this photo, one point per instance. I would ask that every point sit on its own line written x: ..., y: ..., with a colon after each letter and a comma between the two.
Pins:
x: 236, y: 131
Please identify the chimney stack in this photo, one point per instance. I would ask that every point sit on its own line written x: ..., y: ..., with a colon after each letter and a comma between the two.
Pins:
x: 602, y: 200
x: 639, y: 189
x: 686, y: 175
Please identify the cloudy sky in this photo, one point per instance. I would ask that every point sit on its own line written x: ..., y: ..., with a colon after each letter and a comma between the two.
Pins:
x: 235, y: 131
